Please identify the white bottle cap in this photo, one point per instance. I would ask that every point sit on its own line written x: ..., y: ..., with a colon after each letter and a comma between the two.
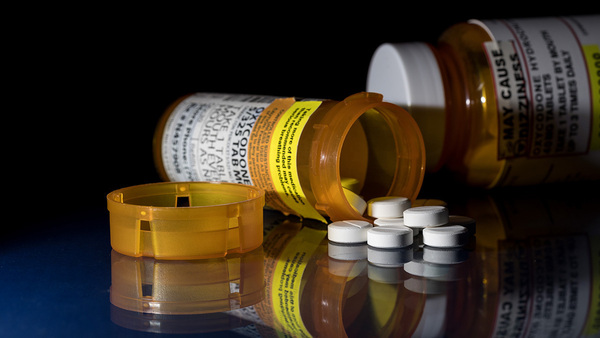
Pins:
x: 387, y: 206
x: 390, y: 237
x: 351, y: 231
x: 426, y: 216
x: 408, y: 75
x: 446, y: 236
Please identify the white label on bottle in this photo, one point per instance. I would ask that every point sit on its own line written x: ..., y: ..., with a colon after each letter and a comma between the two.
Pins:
x: 542, y: 87
x: 206, y: 137
x: 546, y: 73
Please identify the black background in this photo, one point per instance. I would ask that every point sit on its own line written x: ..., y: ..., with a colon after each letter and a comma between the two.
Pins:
x: 85, y: 87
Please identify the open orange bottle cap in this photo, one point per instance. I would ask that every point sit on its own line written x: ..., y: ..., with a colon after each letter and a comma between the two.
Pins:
x: 186, y: 220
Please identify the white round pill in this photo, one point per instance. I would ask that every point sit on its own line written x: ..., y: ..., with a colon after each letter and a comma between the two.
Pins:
x: 426, y: 216
x: 389, y: 237
x: 357, y: 203
x: 382, y: 222
x: 465, y: 221
x: 387, y: 206
x: 350, y: 231
x: 446, y: 236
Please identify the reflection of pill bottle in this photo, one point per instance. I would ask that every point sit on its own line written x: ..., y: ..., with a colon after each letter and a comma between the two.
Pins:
x: 538, y: 260
x: 298, y: 151
x: 198, y: 286
x: 315, y: 288
x: 502, y: 102
x: 292, y: 249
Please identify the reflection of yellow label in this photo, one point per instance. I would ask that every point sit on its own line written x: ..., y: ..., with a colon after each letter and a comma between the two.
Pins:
x: 283, y: 158
x: 592, y: 56
x: 285, y: 290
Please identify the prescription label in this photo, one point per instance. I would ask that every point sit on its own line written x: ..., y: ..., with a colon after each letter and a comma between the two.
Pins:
x: 592, y: 55
x: 545, y: 287
x: 244, y: 139
x: 283, y: 158
x: 206, y: 137
x: 543, y: 80
x: 260, y: 143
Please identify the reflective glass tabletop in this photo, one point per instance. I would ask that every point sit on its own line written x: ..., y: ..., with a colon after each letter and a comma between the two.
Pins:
x: 532, y: 268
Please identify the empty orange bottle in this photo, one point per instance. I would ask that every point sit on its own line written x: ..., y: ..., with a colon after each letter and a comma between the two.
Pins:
x: 298, y: 151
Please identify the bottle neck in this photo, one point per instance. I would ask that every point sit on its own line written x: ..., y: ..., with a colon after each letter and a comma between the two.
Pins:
x: 455, y: 124
x: 471, y: 124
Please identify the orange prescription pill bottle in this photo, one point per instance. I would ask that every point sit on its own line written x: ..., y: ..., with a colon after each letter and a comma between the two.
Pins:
x: 502, y: 102
x: 298, y: 151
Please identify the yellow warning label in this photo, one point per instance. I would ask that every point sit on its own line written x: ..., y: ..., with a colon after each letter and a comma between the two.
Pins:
x: 287, y: 281
x: 283, y: 158
x: 592, y: 56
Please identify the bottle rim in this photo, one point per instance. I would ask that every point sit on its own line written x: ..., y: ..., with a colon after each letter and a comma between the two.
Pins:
x: 325, y: 154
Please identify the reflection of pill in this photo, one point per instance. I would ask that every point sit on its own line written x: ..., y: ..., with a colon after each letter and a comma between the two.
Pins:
x: 357, y: 203
x: 389, y: 237
x: 347, y: 252
x: 351, y: 231
x: 349, y: 269
x: 389, y: 257
x: 444, y: 255
x: 419, y: 267
x: 446, y: 236
x: 388, y: 206
x: 431, y: 270
x: 397, y: 221
x: 385, y: 274
x: 426, y: 216
x: 426, y: 286
x: 465, y: 221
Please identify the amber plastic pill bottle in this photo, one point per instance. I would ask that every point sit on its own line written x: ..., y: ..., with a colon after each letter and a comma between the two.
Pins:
x: 298, y: 151
x: 502, y: 102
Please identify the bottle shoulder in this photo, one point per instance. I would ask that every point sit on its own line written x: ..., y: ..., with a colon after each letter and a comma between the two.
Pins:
x: 471, y: 102
x: 465, y: 36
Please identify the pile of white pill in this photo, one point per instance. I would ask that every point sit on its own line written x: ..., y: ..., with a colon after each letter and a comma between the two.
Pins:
x: 420, y: 237
x: 397, y: 221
